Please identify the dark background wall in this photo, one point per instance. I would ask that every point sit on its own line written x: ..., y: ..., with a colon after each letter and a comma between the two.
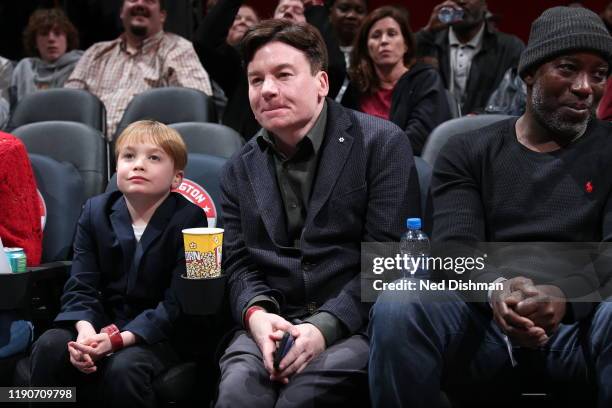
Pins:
x: 516, y: 15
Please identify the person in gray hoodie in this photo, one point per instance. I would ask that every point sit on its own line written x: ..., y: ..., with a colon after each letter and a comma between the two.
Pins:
x: 52, y: 41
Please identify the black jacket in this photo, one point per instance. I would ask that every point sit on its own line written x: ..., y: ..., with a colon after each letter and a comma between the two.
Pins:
x: 499, y: 52
x: 115, y: 279
x: 364, y: 187
x: 418, y: 104
x: 224, y: 65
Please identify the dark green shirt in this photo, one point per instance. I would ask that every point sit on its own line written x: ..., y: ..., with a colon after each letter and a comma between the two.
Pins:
x: 295, y: 175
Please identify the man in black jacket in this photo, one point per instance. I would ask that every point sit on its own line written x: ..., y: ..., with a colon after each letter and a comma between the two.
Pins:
x: 472, y: 57
x: 297, y: 201
x: 542, y: 183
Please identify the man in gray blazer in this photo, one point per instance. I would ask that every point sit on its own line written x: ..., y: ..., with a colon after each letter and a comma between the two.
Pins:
x: 298, y: 200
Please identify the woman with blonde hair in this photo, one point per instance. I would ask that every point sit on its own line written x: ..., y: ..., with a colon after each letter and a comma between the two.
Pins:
x: 386, y: 80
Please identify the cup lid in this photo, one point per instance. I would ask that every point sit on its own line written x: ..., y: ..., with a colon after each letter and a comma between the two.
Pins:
x: 203, y: 231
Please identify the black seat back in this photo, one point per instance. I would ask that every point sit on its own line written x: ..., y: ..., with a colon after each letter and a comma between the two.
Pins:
x: 209, y: 138
x: 75, y: 143
x: 63, y: 192
x: 440, y: 135
x: 72, y: 105
x: 169, y: 105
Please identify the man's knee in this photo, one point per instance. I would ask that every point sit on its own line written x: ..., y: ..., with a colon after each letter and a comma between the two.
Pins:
x: 337, y: 377
x: 244, y: 382
x: 242, y: 358
x: 416, y: 312
x: 605, y: 309
x: 242, y: 369
x: 392, y: 311
x: 603, y: 317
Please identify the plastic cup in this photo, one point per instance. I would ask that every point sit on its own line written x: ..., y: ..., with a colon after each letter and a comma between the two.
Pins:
x: 203, y: 248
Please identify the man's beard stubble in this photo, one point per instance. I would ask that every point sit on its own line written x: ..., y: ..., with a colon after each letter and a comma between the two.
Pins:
x: 552, y: 119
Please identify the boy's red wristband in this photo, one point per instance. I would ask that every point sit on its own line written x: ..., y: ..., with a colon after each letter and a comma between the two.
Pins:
x: 248, y: 314
x: 115, y: 336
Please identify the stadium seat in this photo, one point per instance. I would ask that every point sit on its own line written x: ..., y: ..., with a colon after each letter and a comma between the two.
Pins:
x: 63, y: 192
x: 440, y: 135
x: 75, y: 143
x: 71, y: 105
x: 169, y: 105
x: 209, y: 138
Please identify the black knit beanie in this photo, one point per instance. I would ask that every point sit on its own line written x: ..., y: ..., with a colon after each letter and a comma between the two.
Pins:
x: 560, y: 30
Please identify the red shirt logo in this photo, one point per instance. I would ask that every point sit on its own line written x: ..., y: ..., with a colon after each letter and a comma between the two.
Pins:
x: 588, y: 187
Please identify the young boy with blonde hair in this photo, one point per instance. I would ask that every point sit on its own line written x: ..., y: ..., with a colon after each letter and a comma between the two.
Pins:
x: 118, y: 310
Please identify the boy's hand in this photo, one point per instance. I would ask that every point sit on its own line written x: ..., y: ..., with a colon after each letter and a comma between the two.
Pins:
x: 96, y: 346
x: 84, y: 329
x: 79, y: 360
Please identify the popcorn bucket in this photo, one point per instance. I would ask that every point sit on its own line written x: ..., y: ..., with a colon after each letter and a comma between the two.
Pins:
x: 203, y: 248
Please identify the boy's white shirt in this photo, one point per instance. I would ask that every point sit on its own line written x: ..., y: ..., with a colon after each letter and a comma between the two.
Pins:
x: 138, y: 231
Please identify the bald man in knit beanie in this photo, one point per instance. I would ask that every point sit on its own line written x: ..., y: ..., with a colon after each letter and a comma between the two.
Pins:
x: 537, y: 323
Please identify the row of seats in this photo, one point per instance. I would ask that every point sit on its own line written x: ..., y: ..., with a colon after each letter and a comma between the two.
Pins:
x: 168, y: 105
x: 81, y: 153
x: 63, y: 131
x: 87, y: 150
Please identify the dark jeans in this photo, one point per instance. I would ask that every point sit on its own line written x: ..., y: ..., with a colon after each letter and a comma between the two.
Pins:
x: 123, y: 379
x: 419, y: 346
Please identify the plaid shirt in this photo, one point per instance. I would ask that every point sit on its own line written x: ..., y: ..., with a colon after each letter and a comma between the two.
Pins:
x: 115, y: 75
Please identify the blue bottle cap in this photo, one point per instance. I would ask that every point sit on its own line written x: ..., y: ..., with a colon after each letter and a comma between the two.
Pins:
x: 413, y: 223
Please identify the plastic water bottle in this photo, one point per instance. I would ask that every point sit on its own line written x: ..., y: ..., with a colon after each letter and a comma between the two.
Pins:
x: 449, y: 14
x: 414, y: 245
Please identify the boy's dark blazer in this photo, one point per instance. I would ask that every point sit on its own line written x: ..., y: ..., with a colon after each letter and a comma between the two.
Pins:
x: 114, y: 279
x: 365, y: 187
